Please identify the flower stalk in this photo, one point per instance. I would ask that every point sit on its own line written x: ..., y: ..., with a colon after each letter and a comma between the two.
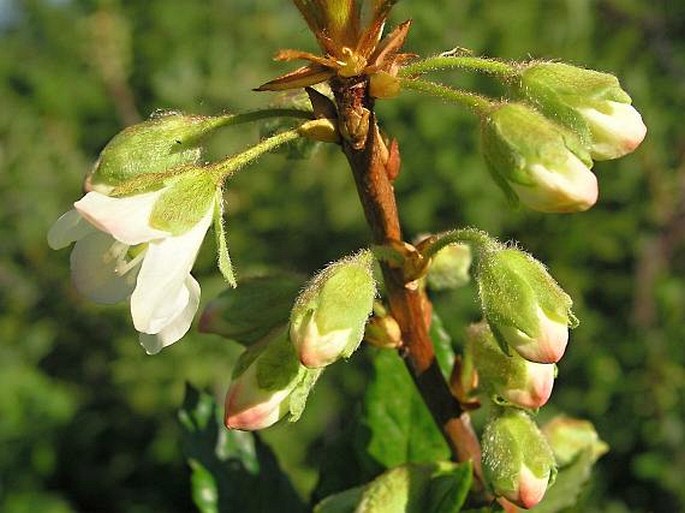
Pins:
x: 446, y: 62
x: 408, y: 305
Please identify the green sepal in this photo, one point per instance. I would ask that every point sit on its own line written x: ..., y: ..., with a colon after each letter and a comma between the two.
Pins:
x: 223, y: 257
x: 512, y: 284
x: 278, y: 368
x: 163, y: 142
x: 510, y: 441
x: 343, y: 502
x: 184, y: 203
x: 248, y: 313
x: 559, y: 89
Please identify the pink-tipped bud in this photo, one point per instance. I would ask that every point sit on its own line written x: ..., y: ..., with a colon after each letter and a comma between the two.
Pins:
x: 328, y: 319
x: 249, y: 407
x: 538, y: 162
x: 509, y: 379
x: 517, y: 460
x: 590, y: 103
x: 269, y: 383
x: 547, y: 346
x: 526, y: 309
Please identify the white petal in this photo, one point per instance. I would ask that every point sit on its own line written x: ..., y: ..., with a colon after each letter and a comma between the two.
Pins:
x: 126, y: 219
x: 68, y: 228
x: 569, y: 187
x: 94, y: 268
x: 160, y: 293
x: 616, y: 131
x: 316, y: 350
x: 173, y: 332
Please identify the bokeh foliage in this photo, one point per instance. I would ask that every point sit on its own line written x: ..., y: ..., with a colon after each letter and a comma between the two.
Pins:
x: 88, y: 421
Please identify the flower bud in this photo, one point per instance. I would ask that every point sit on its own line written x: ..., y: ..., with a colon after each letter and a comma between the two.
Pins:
x: 538, y: 162
x: 165, y: 141
x: 327, y: 321
x: 517, y: 460
x: 449, y: 268
x: 382, y: 330
x: 509, y: 379
x: 525, y: 308
x: 591, y: 103
x: 569, y: 437
x: 268, y: 384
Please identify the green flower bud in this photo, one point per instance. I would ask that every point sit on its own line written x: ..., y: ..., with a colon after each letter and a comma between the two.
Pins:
x: 509, y: 379
x: 538, y: 162
x: 525, y: 308
x: 165, y: 141
x: 449, y: 268
x: 517, y: 460
x: 327, y: 321
x: 569, y: 437
x: 590, y: 103
x: 268, y: 383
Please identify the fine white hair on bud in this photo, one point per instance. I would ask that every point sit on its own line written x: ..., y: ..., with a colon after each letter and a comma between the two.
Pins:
x: 525, y: 307
x: 517, y: 460
x: 537, y: 162
x: 590, y: 103
x: 328, y: 319
x: 508, y: 378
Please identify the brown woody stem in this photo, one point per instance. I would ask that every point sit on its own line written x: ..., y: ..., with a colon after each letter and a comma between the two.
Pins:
x: 409, y: 305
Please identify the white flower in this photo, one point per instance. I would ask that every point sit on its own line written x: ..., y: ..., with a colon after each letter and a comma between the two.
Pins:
x: 119, y: 255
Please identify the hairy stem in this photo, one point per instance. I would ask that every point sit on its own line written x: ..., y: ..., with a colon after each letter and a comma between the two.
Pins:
x: 408, y: 305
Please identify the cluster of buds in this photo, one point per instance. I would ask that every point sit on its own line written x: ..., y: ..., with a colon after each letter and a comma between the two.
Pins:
x: 274, y: 376
x: 541, y: 149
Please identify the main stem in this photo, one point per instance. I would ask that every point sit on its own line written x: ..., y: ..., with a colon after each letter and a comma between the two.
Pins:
x: 408, y: 305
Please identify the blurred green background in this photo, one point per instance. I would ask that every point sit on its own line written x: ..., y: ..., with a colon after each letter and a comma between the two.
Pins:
x: 88, y: 421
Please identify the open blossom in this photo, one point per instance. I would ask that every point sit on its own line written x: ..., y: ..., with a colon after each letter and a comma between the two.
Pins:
x: 119, y: 255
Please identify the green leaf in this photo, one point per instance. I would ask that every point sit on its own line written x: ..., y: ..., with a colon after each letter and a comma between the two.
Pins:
x: 400, y: 427
x: 442, y: 344
x: 223, y: 258
x: 248, y: 313
x: 232, y: 471
x: 448, y: 489
x: 437, y: 487
x: 569, y: 484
